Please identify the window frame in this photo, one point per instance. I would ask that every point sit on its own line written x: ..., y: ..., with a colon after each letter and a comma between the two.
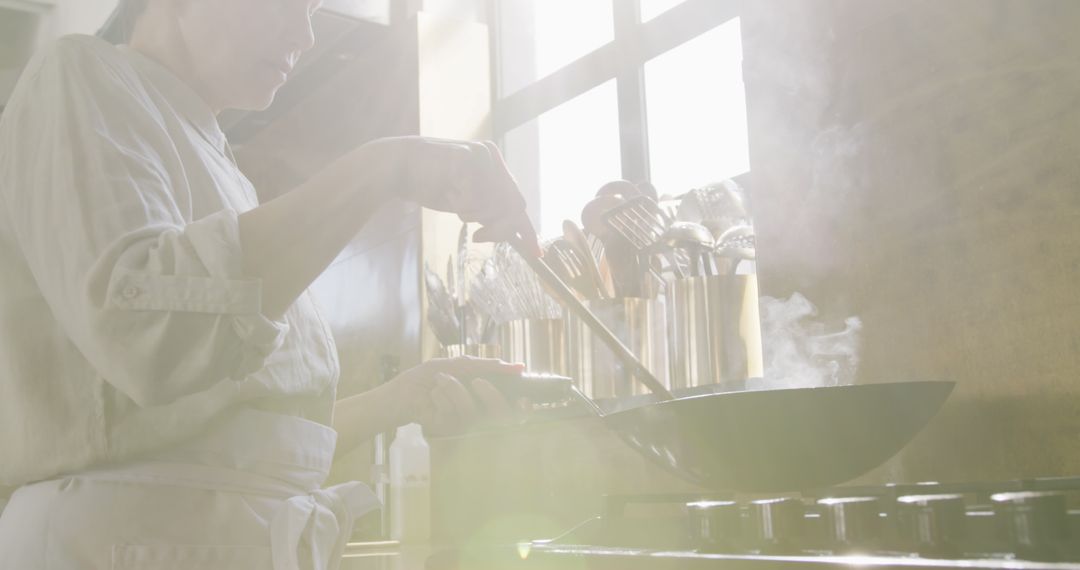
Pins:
x: 623, y: 59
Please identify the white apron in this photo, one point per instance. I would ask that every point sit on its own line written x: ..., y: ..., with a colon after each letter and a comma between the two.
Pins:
x: 245, y: 497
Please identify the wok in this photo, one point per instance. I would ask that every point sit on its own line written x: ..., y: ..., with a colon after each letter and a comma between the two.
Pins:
x: 780, y: 440
x: 765, y: 440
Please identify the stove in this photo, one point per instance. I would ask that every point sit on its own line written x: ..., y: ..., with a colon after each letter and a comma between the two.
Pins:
x: 1027, y: 524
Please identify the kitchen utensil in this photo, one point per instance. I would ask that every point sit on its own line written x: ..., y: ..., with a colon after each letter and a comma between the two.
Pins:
x: 642, y: 223
x: 773, y: 440
x: 733, y: 246
x: 717, y: 206
x: 641, y: 326
x: 735, y: 347
x: 592, y: 215
x: 714, y: 331
x: 521, y: 288
x: 623, y: 265
x: 695, y: 239
x: 577, y: 308
x: 794, y: 439
x: 442, y: 313
x: 475, y: 350
x: 488, y: 296
x: 540, y: 387
x: 459, y: 290
x: 572, y: 267
x: 538, y: 343
x: 688, y: 333
x: 646, y: 188
x: 639, y: 220
x: 599, y: 255
x: 574, y: 235
x: 619, y: 187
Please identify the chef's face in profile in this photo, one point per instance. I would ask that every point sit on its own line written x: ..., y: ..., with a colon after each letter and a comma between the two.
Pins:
x: 242, y: 51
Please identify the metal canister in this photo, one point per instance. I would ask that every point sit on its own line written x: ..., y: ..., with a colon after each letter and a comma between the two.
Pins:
x: 538, y: 343
x: 477, y: 350
x: 734, y: 328
x: 640, y: 323
x: 688, y: 333
x: 714, y: 330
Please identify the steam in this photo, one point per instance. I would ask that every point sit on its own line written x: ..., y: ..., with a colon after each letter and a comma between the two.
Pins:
x: 801, y: 352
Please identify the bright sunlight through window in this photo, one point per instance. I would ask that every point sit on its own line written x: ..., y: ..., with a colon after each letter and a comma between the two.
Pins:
x: 569, y: 29
x: 653, y: 8
x: 579, y: 151
x: 696, y: 105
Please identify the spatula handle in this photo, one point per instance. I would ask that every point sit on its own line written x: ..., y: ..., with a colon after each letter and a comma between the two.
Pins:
x: 566, y: 297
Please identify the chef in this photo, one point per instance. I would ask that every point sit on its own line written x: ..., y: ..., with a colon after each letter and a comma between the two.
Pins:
x: 167, y: 385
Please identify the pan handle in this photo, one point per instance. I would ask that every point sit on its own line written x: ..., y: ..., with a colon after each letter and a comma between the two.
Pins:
x: 537, y: 388
x: 566, y: 297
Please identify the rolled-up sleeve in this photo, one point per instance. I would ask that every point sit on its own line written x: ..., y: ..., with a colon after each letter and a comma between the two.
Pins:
x: 152, y: 296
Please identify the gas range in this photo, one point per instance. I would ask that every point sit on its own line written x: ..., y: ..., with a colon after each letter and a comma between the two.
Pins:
x: 1025, y: 524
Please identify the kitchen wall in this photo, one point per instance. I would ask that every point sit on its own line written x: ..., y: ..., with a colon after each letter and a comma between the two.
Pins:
x: 915, y: 162
x: 28, y: 24
x: 18, y: 34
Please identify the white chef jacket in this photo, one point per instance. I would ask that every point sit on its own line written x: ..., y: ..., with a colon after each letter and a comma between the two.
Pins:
x: 126, y: 322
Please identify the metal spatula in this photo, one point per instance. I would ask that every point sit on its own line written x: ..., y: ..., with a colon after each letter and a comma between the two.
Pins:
x: 639, y: 220
x: 566, y: 297
x: 642, y: 223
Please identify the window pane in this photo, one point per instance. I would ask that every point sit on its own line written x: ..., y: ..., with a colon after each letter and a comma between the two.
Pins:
x: 537, y: 37
x: 653, y: 8
x: 569, y: 29
x: 373, y: 10
x: 576, y: 150
x: 696, y: 105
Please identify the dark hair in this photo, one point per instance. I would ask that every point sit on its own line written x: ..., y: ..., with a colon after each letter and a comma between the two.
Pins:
x: 117, y: 29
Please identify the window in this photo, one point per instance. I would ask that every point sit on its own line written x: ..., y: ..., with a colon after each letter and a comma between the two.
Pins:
x: 545, y: 35
x: 593, y: 90
x: 653, y: 8
x: 569, y: 29
x: 577, y: 151
x: 696, y: 106
x: 372, y: 10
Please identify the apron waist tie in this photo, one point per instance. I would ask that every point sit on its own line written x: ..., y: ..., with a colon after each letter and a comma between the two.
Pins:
x: 323, y: 521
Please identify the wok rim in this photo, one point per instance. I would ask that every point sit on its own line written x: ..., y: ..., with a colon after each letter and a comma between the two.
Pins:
x: 941, y: 388
x: 950, y: 385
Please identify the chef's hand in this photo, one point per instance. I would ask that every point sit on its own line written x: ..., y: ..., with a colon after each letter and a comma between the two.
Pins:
x: 448, y: 395
x: 469, y: 179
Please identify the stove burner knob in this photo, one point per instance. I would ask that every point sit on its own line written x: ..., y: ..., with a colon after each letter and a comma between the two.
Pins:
x: 1034, y: 524
x: 714, y: 526
x: 932, y: 525
x: 853, y: 523
x: 776, y: 525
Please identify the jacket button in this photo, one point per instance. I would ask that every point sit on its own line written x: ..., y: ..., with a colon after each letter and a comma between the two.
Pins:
x: 130, y: 292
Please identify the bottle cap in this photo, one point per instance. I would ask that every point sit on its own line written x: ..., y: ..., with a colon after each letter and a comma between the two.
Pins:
x: 410, y: 430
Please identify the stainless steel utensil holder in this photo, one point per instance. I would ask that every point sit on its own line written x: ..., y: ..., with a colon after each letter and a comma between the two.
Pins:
x: 477, y: 350
x: 538, y: 343
x: 640, y: 324
x: 714, y: 330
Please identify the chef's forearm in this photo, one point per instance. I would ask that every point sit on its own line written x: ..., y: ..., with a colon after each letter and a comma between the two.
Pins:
x: 359, y: 418
x: 291, y: 239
